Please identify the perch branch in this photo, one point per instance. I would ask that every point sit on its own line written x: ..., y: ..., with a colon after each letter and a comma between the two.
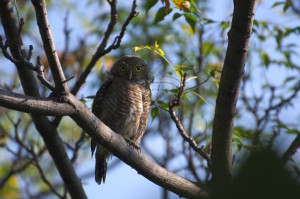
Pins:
x: 99, y: 132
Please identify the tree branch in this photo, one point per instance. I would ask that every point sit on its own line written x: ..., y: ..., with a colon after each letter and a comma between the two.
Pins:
x: 99, y: 132
x: 239, y: 36
x: 30, y: 104
x: 176, y: 102
x: 49, y: 134
x: 101, y: 48
x: 49, y: 47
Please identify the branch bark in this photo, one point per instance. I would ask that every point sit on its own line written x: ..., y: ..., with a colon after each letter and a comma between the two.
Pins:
x: 48, y: 133
x: 52, y: 56
x: 34, y: 105
x: 239, y: 36
x: 102, y: 134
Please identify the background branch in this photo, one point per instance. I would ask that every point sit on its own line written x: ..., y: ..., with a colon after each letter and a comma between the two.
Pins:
x: 48, y: 43
x: 176, y: 102
x: 239, y: 36
x: 48, y: 133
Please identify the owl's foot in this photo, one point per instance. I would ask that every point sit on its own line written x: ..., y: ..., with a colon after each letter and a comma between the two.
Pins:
x: 133, y: 144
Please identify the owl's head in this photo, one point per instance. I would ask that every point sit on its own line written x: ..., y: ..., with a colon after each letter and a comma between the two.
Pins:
x: 133, y: 69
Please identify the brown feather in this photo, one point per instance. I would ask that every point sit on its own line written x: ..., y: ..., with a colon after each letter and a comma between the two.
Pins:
x: 123, y: 104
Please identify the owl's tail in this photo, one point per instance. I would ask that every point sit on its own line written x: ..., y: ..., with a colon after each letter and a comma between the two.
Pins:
x: 101, y: 164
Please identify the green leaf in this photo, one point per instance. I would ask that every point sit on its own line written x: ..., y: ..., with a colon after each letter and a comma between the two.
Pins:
x: 224, y: 25
x: 192, y: 20
x: 90, y: 97
x: 279, y: 38
x: 154, y: 113
x: 176, y: 16
x: 292, y: 131
x: 163, y: 105
x: 289, y: 79
x: 211, y: 108
x: 286, y: 6
x: 194, y: 6
x: 150, y: 4
x: 83, y: 100
x: 278, y: 3
x: 190, y: 78
x: 265, y: 59
x: 160, y: 15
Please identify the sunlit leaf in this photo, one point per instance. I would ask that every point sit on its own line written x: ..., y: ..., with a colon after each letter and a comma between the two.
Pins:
x: 182, y: 5
x: 163, y: 105
x: 192, y: 20
x: 190, y: 78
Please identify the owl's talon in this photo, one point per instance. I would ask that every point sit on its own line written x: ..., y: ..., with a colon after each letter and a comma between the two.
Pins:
x: 133, y: 144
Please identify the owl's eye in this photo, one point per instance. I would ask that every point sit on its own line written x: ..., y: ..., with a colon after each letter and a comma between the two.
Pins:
x: 138, y: 69
x: 123, y: 67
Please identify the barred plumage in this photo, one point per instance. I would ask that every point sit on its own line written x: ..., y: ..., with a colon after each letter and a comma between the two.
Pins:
x: 123, y: 104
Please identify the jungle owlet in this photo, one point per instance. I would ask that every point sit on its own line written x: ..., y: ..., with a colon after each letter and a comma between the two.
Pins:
x: 123, y: 104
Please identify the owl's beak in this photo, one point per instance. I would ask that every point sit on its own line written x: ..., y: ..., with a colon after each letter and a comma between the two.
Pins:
x: 130, y: 75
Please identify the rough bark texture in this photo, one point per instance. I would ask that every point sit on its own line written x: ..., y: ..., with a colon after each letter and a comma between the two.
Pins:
x: 52, y: 56
x: 49, y: 134
x: 34, y: 105
x: 233, y: 70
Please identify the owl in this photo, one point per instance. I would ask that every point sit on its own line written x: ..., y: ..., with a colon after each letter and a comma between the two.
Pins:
x: 123, y: 104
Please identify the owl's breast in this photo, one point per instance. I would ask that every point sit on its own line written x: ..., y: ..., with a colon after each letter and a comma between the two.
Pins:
x: 122, y: 108
x: 134, y: 109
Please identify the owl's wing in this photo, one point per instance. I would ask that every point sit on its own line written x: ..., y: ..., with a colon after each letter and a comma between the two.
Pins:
x: 96, y: 104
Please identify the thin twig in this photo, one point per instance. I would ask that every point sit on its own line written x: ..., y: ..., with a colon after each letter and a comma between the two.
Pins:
x: 42, y: 174
x: 41, y: 74
x: 8, y: 56
x: 176, y: 102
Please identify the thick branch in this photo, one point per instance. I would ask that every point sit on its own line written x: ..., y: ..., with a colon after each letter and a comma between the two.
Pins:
x: 52, y: 56
x: 239, y: 36
x: 119, y: 147
x: 30, y: 104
